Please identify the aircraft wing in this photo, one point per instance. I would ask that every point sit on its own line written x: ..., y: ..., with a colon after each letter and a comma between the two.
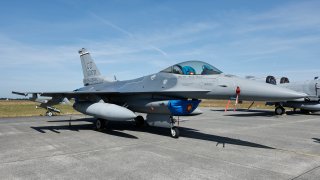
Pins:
x: 68, y: 94
x: 75, y: 94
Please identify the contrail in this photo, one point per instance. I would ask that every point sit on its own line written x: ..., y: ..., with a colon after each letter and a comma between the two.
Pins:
x: 125, y: 32
x: 111, y: 25
x: 159, y: 50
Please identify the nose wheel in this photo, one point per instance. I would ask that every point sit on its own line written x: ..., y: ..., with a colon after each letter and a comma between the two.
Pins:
x: 175, y: 133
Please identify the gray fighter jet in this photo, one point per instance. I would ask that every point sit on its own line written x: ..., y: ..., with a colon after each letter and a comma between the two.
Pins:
x: 174, y: 91
x: 311, y: 103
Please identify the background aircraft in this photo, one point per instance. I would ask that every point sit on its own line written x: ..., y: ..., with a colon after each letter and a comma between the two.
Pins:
x: 174, y: 91
x: 311, y: 103
x: 306, y: 105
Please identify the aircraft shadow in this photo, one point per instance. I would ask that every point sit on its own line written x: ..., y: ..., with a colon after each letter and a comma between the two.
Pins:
x: 187, y: 133
x: 196, y: 134
x: 302, y: 113
x: 116, y: 128
x: 242, y: 110
x: 259, y: 113
x: 75, y: 120
x: 317, y: 140
x: 79, y: 127
x: 248, y: 113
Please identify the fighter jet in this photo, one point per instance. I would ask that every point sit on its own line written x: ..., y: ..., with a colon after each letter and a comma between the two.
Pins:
x: 308, y: 104
x: 174, y: 91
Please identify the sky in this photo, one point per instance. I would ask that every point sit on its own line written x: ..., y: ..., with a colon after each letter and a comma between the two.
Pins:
x: 39, y: 40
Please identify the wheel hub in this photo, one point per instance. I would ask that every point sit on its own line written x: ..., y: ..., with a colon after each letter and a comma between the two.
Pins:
x: 98, y: 124
x: 173, y: 132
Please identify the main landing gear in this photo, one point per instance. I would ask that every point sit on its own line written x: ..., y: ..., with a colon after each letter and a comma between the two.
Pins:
x: 165, y: 121
x: 100, y: 124
x: 279, y: 110
x: 139, y: 121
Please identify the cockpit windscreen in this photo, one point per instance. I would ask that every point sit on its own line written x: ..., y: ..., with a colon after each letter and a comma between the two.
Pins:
x: 192, y: 68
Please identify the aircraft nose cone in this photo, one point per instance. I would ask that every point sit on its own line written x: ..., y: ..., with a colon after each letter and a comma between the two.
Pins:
x: 252, y: 90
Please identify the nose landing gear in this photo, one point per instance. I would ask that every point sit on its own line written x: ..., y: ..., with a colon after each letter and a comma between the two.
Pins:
x: 175, y: 133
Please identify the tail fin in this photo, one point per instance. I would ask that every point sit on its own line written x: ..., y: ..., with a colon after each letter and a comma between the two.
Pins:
x: 91, y: 73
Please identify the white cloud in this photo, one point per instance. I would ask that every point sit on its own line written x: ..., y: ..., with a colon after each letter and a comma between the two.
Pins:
x: 290, y: 17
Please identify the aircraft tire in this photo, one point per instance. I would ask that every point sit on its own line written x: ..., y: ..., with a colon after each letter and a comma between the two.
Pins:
x: 49, y: 113
x: 100, y: 124
x: 175, y: 133
x: 139, y: 121
x: 279, y: 110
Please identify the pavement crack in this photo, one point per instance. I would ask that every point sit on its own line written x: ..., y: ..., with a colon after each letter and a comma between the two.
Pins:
x: 305, y: 173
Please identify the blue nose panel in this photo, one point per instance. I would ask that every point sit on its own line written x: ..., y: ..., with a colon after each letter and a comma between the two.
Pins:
x: 182, y: 107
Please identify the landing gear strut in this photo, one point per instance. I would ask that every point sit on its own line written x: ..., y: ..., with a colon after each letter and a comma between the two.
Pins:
x: 279, y: 110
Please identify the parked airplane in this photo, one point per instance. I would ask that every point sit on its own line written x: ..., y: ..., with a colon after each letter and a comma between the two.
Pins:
x: 174, y: 91
x: 46, y: 103
x: 311, y: 103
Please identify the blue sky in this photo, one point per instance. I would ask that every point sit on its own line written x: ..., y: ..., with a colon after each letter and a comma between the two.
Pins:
x: 39, y: 39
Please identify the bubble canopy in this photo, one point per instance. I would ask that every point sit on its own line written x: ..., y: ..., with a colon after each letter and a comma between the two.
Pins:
x: 192, y: 68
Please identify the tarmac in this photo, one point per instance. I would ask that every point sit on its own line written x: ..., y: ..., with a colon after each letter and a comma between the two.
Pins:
x: 214, y: 145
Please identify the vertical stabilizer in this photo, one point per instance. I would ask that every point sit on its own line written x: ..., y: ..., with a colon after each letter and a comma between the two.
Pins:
x: 91, y: 73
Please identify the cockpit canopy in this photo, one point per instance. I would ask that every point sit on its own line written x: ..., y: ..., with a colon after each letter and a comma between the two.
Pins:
x: 192, y: 68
